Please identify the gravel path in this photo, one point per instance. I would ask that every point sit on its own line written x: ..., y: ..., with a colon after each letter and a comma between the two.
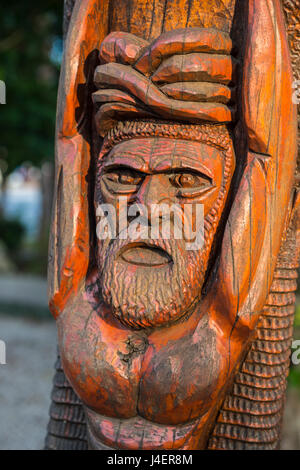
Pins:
x: 24, y: 290
x: 25, y: 382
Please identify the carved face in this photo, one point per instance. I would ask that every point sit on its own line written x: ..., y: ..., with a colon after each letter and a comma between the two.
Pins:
x: 151, y: 274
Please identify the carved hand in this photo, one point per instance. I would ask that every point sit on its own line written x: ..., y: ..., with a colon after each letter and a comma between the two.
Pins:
x: 186, y: 74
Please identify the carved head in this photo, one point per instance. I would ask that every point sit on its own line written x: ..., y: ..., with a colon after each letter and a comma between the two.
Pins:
x: 154, y: 279
x: 156, y: 276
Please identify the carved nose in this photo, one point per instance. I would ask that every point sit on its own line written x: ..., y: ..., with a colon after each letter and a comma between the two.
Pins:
x: 154, y: 190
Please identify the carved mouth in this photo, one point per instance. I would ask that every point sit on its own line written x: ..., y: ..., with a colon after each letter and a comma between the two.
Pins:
x: 142, y: 254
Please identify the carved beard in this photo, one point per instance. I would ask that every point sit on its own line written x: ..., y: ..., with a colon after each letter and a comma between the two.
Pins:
x: 142, y: 297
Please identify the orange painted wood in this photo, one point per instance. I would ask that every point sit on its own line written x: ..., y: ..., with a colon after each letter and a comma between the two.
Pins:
x: 176, y: 102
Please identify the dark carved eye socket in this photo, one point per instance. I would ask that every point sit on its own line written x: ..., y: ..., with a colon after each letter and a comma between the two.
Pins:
x: 129, y: 178
x: 125, y: 180
x: 189, y: 180
x: 122, y: 180
x: 185, y: 180
x: 125, y: 177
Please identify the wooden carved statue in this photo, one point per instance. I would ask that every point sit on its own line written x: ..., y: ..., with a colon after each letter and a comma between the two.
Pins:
x: 175, y: 104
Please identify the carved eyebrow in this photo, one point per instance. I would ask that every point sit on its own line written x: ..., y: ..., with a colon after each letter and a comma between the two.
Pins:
x: 166, y: 170
x: 125, y: 161
x: 157, y: 162
x: 195, y: 172
x: 121, y: 166
x: 187, y: 167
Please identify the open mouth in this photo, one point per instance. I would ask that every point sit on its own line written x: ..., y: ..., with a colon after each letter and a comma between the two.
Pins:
x: 141, y: 254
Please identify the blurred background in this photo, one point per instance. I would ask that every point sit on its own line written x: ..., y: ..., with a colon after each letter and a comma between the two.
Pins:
x: 31, y: 47
x: 30, y: 55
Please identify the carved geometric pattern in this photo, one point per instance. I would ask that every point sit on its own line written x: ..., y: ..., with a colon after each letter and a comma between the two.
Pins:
x: 292, y: 14
x: 251, y: 415
x: 67, y: 428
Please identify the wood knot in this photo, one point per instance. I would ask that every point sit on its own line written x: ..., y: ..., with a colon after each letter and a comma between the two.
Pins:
x: 135, y: 345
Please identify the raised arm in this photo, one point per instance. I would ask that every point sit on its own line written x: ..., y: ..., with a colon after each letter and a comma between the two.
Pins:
x: 263, y: 203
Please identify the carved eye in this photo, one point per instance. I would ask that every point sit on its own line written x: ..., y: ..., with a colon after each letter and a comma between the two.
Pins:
x: 185, y: 180
x: 122, y: 180
x: 129, y: 178
x: 190, y: 184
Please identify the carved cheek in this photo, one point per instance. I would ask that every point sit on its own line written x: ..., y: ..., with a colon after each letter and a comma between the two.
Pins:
x: 103, y: 194
x: 214, y: 160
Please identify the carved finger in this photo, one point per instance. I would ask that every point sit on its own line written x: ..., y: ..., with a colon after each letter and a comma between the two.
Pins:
x: 121, y: 47
x: 183, y: 41
x: 110, y: 113
x: 111, y: 95
x: 199, y: 91
x: 121, y: 76
x: 196, y: 67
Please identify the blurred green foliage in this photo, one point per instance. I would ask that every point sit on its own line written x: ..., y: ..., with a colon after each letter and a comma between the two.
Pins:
x: 297, y: 317
x: 30, y: 46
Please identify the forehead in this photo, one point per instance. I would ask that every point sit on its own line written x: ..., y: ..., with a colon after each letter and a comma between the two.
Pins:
x: 159, y: 154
